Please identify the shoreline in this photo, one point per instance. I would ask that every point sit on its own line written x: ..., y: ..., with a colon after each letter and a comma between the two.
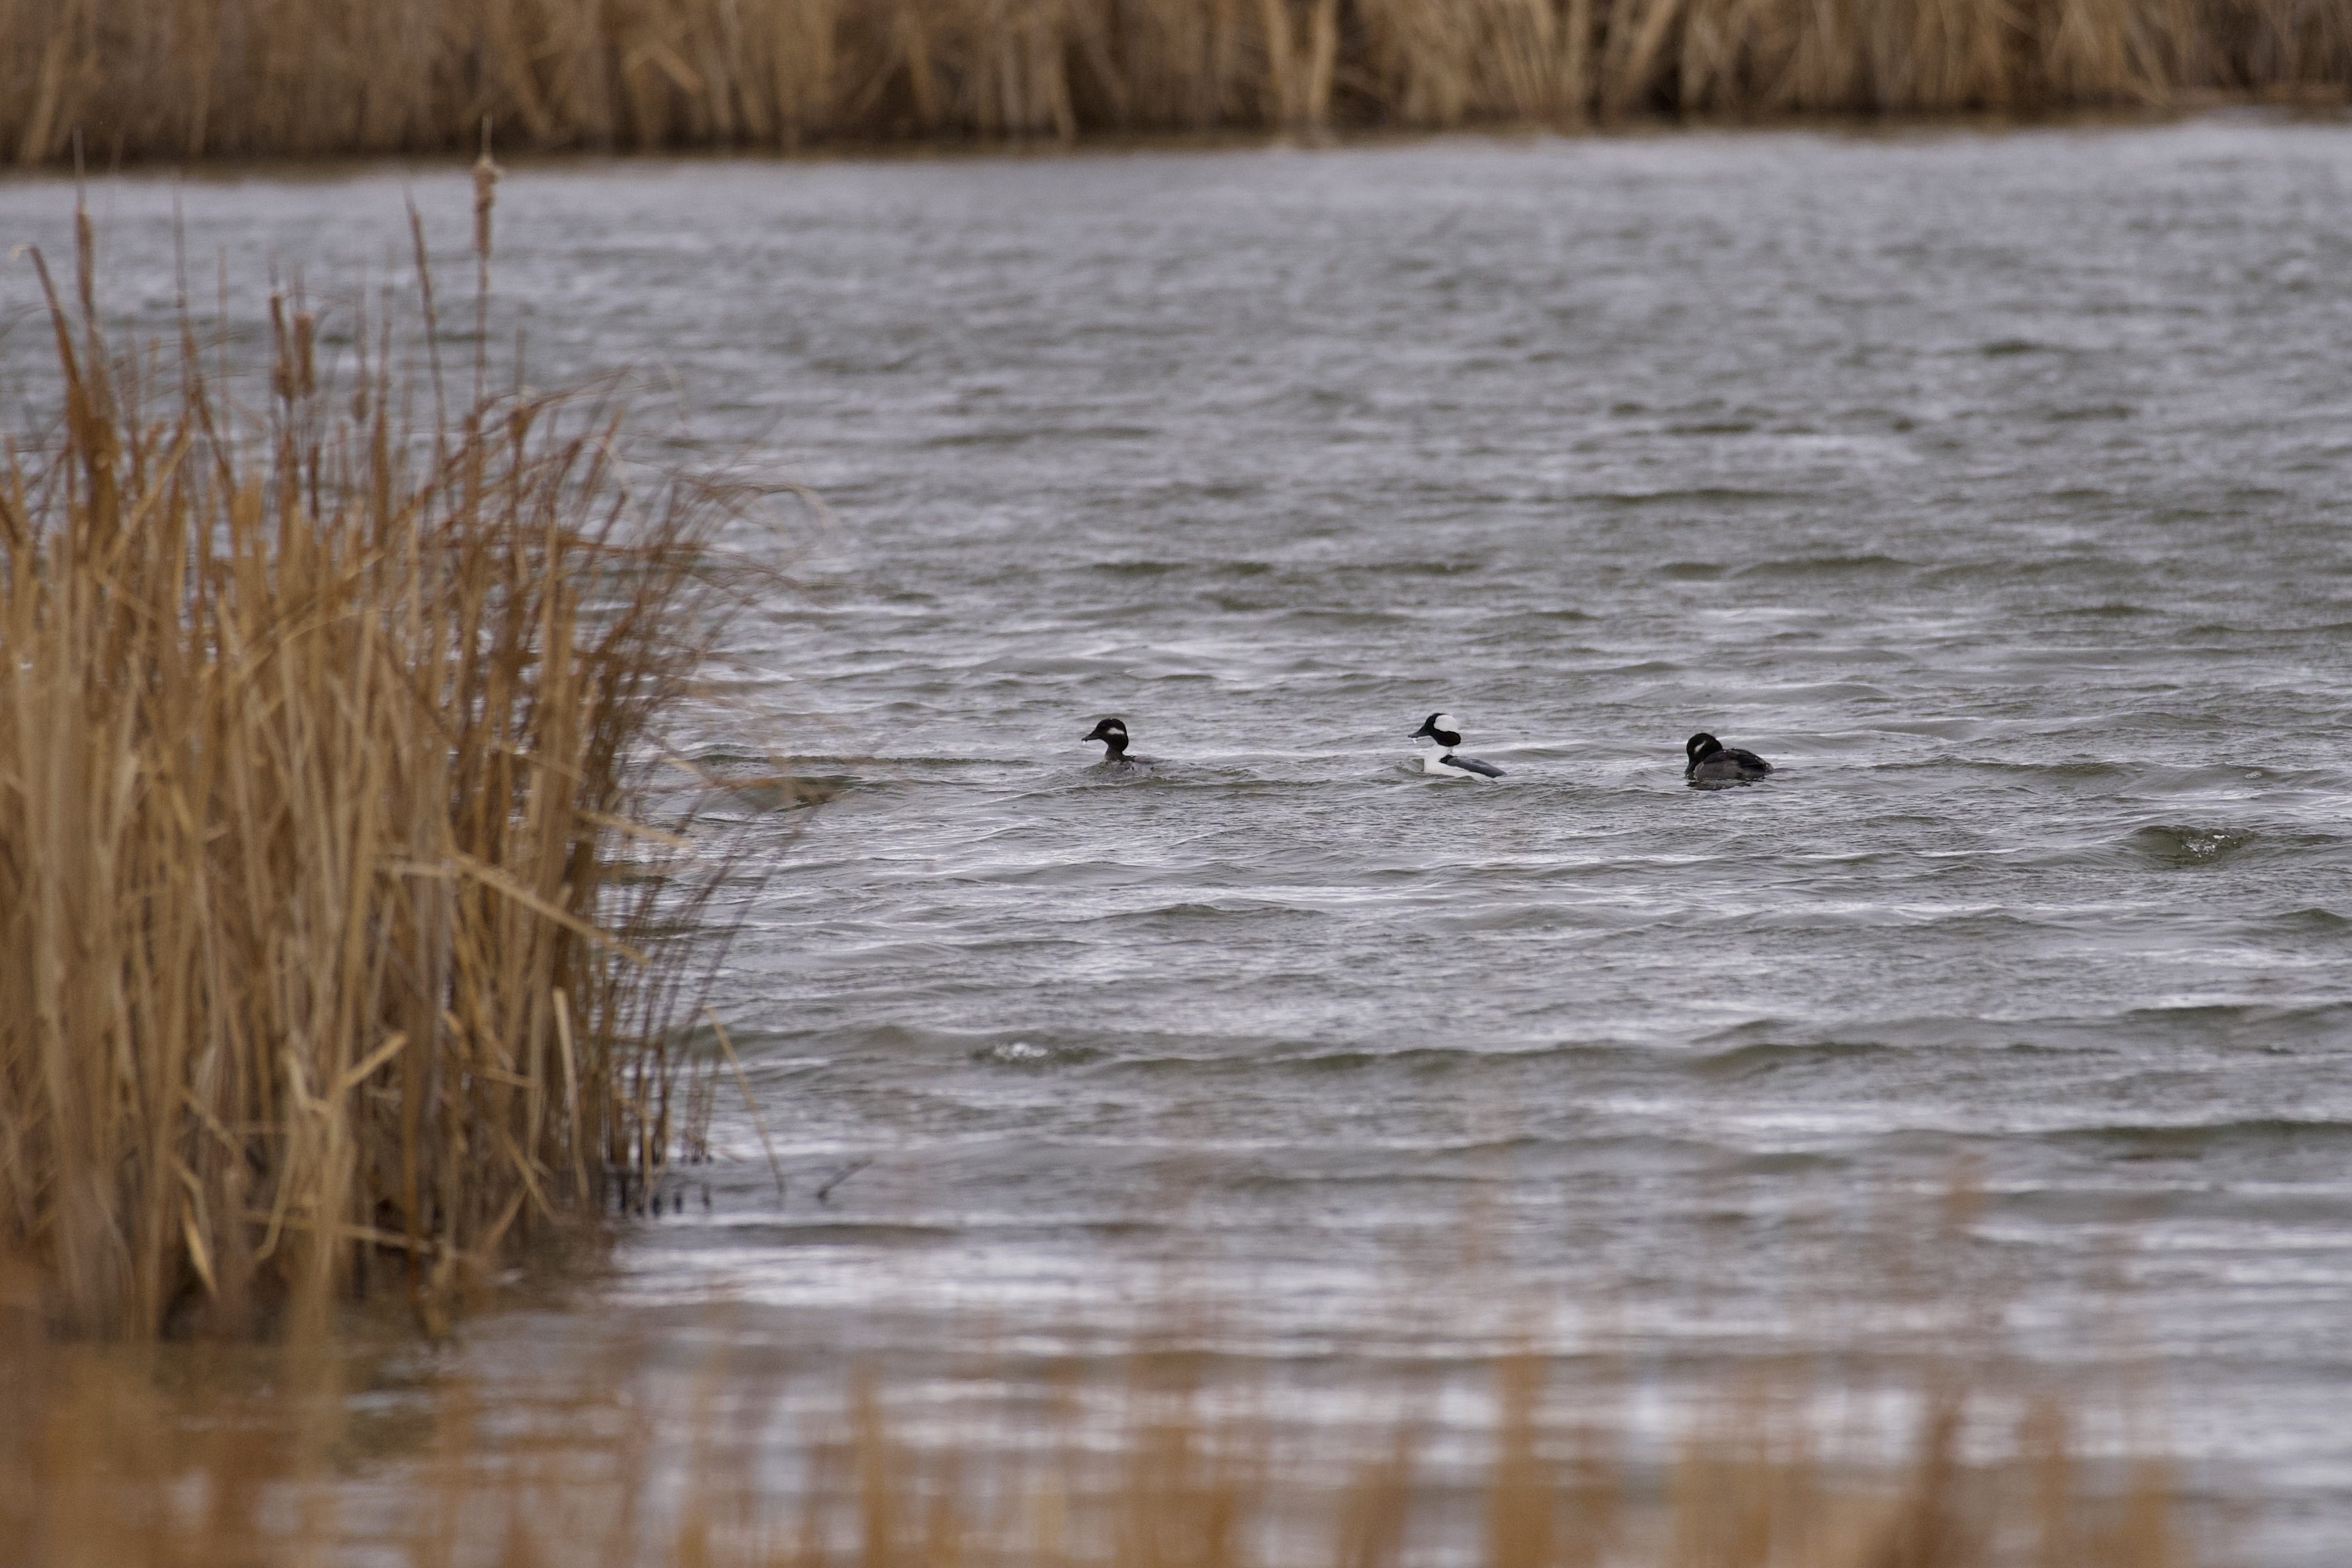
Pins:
x: 2312, y: 111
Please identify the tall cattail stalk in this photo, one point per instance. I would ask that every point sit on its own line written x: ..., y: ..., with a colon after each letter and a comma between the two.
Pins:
x: 184, y: 78
x: 324, y: 750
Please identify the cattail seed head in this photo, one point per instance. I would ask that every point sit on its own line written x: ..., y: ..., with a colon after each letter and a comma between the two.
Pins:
x: 486, y: 181
x: 306, y: 341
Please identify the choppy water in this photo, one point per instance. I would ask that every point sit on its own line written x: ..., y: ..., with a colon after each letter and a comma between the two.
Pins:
x: 1994, y: 487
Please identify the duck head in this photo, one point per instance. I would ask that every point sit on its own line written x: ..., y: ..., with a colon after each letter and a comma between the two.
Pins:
x: 1112, y: 733
x: 1439, y: 727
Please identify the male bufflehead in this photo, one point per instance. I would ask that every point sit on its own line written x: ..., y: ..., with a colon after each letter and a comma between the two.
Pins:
x: 1711, y: 763
x: 1112, y: 733
x: 1438, y: 757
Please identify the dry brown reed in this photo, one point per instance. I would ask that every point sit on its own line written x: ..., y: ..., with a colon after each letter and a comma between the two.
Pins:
x: 334, y: 952
x: 108, y: 1460
x: 184, y: 78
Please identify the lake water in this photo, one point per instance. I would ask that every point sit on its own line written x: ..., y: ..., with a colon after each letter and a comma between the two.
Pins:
x: 1995, y: 486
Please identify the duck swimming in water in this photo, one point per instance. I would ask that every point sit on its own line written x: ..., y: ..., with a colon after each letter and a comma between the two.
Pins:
x: 1438, y: 757
x: 1116, y: 762
x: 1713, y: 764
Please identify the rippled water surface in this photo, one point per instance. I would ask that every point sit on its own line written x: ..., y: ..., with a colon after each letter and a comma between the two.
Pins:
x: 1993, y: 486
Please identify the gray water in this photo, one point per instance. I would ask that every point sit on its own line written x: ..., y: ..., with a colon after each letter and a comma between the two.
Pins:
x: 1992, y: 485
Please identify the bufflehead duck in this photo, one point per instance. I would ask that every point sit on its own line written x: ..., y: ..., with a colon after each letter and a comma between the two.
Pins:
x: 1112, y: 733
x: 1713, y: 763
x: 1438, y: 757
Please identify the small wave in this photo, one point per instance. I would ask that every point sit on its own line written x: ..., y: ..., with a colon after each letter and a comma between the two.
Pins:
x: 1004, y: 437
x: 2159, y: 1141
x: 790, y: 791
x: 1753, y: 1061
x: 1418, y: 1061
x: 1186, y: 910
x: 1787, y: 1162
x: 2188, y: 847
x: 1421, y: 1061
x: 844, y: 1233
x: 2020, y: 772
x: 2239, y: 1024
x: 1905, y: 1036
x: 1030, y: 1055
x: 1824, y: 565
x: 2313, y: 921
x: 1836, y: 691
x: 988, y: 1048
x: 1421, y: 568
x: 1703, y: 495
x: 1094, y: 777
x: 1940, y: 728
x: 971, y: 438
x: 1424, y: 1061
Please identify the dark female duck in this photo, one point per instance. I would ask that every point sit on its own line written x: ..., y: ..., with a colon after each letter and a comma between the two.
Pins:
x: 1713, y: 764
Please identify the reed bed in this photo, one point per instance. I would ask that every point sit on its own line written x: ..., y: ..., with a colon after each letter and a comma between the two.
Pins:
x: 1137, y: 1463
x: 334, y: 952
x: 184, y: 79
